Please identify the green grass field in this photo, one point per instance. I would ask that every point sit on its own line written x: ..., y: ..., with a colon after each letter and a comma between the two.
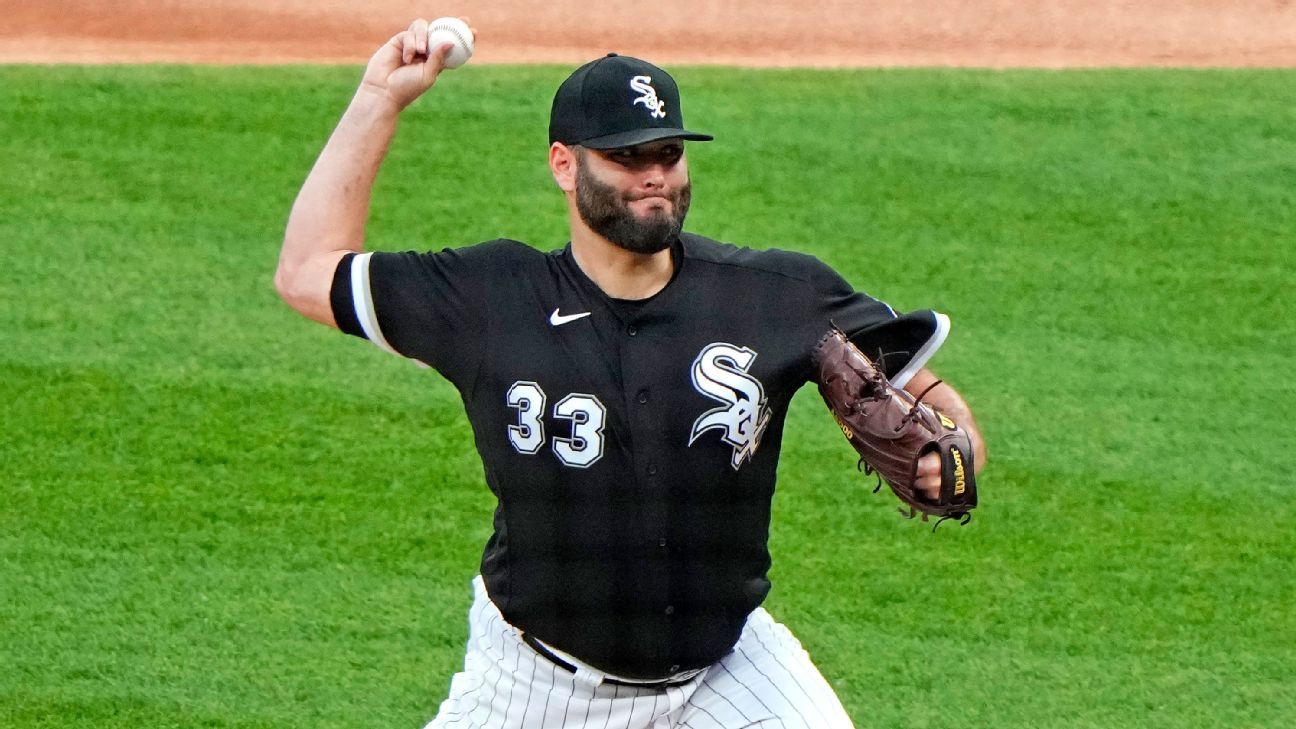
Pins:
x: 216, y: 514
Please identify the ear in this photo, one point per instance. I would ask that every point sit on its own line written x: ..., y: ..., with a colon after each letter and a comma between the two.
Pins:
x: 562, y: 163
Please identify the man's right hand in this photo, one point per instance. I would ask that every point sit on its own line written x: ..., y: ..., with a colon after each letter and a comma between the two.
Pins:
x: 405, y: 67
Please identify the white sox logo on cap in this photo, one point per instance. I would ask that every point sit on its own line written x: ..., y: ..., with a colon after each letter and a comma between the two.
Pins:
x: 642, y: 85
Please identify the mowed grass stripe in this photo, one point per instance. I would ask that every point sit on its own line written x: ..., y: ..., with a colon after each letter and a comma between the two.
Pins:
x: 213, y: 513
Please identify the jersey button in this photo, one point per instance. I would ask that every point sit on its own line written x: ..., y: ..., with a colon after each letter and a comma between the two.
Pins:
x: 675, y: 668
x: 631, y: 330
x: 643, y: 397
x: 652, y: 469
x: 662, y: 543
x: 670, y: 610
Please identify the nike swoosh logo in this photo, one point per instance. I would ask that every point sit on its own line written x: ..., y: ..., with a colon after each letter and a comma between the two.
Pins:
x: 558, y: 320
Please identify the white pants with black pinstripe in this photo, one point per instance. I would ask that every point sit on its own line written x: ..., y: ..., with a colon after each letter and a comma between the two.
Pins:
x: 767, y: 681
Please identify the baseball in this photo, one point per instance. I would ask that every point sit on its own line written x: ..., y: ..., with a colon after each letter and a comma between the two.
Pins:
x: 451, y: 30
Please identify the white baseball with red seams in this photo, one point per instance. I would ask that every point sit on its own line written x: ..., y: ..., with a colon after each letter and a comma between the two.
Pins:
x: 453, y: 31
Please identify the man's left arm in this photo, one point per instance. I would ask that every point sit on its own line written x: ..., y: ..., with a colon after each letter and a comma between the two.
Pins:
x: 947, y: 400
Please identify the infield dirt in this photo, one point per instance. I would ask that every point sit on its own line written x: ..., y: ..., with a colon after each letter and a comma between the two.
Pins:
x: 830, y: 33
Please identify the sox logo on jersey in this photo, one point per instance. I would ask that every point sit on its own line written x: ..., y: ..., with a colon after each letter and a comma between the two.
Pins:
x: 720, y: 372
x: 648, y: 96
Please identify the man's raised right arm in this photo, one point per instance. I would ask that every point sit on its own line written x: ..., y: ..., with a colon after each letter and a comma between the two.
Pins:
x: 328, y: 218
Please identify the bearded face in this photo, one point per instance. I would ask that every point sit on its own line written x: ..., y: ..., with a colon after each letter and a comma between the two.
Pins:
x: 606, y: 210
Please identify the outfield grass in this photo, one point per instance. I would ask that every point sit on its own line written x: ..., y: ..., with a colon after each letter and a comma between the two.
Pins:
x: 215, y: 514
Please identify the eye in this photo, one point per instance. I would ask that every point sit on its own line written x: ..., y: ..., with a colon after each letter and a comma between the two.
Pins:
x: 623, y: 157
x: 671, y: 154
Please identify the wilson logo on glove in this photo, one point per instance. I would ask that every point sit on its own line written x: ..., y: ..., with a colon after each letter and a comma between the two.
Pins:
x: 960, y: 482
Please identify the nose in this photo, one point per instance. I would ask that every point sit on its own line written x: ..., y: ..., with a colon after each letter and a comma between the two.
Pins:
x: 654, y: 177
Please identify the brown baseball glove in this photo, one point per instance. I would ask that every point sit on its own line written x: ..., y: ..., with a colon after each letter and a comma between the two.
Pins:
x: 891, y: 430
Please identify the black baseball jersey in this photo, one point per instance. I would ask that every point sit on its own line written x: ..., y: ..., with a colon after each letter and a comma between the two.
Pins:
x: 632, y: 445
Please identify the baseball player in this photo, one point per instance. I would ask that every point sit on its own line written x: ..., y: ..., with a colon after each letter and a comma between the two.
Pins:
x: 627, y: 394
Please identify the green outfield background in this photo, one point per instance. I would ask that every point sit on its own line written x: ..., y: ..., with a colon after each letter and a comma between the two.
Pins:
x: 216, y: 514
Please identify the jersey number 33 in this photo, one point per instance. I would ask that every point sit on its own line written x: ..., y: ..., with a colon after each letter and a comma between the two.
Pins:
x: 586, y: 413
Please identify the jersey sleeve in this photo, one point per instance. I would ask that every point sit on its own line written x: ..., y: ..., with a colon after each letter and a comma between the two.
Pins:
x: 428, y: 307
x: 902, y: 343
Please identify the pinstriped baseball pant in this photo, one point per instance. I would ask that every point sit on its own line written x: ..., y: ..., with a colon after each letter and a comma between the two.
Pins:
x: 766, y: 682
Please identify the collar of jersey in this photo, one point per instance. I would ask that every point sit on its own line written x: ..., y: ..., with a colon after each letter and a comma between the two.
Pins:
x: 639, y: 305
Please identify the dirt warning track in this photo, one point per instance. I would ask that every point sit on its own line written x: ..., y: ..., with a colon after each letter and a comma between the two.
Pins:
x: 831, y: 33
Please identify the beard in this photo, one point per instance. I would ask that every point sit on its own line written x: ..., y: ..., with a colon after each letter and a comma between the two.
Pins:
x: 607, y: 212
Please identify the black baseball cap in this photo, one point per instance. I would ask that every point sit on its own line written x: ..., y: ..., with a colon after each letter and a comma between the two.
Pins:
x: 618, y: 101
